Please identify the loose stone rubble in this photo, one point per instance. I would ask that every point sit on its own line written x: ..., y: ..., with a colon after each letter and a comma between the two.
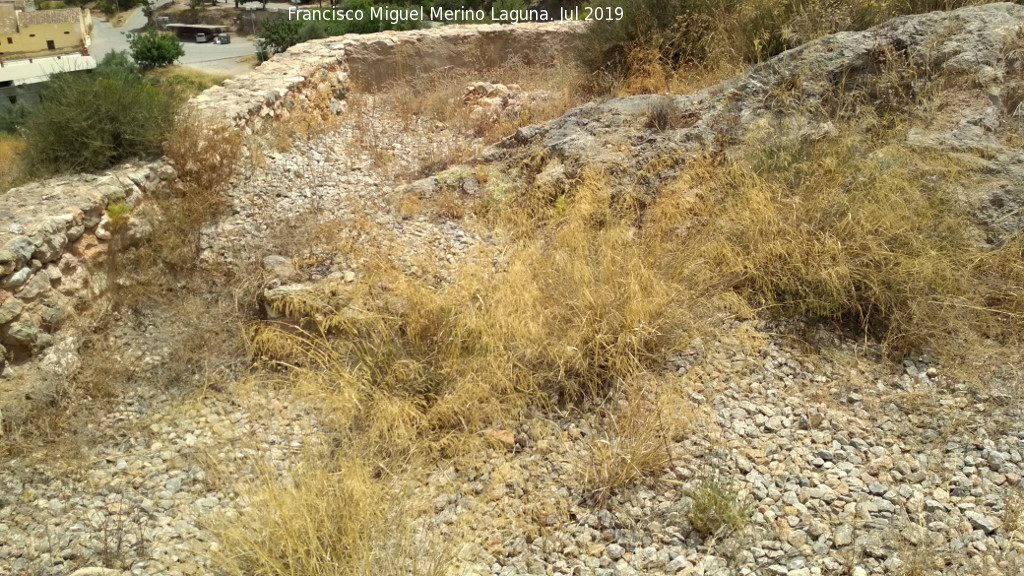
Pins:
x: 492, y: 102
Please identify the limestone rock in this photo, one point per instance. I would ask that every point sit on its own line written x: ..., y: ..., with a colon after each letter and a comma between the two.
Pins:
x: 10, y: 310
x: 17, y: 279
x: 23, y: 332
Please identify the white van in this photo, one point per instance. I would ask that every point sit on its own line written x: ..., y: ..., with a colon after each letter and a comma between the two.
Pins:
x: 200, y: 37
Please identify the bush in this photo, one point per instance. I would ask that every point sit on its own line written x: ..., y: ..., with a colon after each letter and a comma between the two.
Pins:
x: 674, y: 27
x: 12, y: 118
x: 115, y: 62
x: 111, y: 7
x: 89, y: 122
x: 155, y: 50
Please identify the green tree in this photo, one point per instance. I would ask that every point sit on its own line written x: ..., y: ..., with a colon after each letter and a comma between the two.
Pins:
x: 148, y: 11
x: 277, y: 35
x: 115, y: 62
x: 154, y: 49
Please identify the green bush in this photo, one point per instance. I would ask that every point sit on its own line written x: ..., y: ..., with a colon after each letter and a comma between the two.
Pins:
x: 88, y: 122
x: 115, y: 63
x: 155, y: 49
x: 12, y: 118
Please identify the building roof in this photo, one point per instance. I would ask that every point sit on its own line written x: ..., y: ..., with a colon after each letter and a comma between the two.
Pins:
x: 58, y: 16
x: 8, y: 19
x: 39, y: 69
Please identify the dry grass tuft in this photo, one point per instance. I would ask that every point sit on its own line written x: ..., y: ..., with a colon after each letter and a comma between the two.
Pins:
x: 1013, y: 515
x: 579, y: 309
x: 205, y: 156
x: 634, y: 445
x: 861, y: 233
x: 663, y: 115
x: 10, y: 161
x: 335, y: 520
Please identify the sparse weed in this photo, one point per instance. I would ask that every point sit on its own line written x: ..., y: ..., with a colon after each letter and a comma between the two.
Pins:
x: 1013, y: 515
x: 118, y: 213
x: 205, y: 156
x: 662, y: 115
x: 718, y: 508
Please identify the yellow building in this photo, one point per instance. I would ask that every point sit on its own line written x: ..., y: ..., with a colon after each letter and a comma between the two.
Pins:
x: 42, y: 32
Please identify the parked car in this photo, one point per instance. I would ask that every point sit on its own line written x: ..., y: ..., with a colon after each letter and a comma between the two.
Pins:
x: 222, y: 39
x: 200, y: 37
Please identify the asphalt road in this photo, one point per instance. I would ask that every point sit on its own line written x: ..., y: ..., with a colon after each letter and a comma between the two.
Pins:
x: 208, y: 57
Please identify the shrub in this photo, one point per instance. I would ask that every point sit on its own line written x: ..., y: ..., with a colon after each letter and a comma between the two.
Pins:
x: 89, y: 122
x: 115, y: 62
x: 111, y: 7
x: 607, y: 44
x: 155, y: 49
x: 12, y: 118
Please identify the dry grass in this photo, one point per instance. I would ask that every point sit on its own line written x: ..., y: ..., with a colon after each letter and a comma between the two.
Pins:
x: 857, y: 232
x: 205, y: 156
x: 634, y: 444
x: 578, y: 310
x: 426, y: 104
x: 597, y: 287
x: 10, y: 161
x: 1013, y: 520
x: 327, y: 520
x: 190, y: 80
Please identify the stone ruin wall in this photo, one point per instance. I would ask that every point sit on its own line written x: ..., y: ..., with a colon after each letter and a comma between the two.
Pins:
x: 55, y: 234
